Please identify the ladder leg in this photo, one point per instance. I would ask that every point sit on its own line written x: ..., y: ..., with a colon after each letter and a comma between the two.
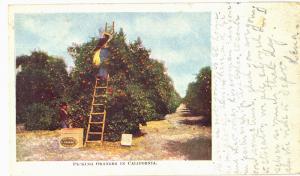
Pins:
x: 87, y: 133
x: 104, y: 116
x: 103, y: 126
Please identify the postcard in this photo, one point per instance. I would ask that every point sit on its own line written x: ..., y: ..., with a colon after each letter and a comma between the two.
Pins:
x: 154, y: 89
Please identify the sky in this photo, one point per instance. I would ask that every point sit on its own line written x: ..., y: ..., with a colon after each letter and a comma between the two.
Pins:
x: 180, y: 40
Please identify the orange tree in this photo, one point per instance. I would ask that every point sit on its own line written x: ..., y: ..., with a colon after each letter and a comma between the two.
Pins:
x: 139, y: 88
x: 40, y: 87
x: 198, y: 96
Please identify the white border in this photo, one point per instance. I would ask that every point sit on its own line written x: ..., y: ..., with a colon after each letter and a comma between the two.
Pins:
x: 4, y: 120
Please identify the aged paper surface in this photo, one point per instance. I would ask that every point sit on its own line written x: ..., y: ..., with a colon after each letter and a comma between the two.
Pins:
x: 255, y: 95
x: 256, y: 88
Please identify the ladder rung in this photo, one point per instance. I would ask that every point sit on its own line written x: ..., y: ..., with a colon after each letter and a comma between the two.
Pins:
x: 98, y: 104
x: 98, y: 79
x: 100, y: 87
x: 96, y: 122
x: 99, y: 96
x: 94, y: 133
x: 97, y: 113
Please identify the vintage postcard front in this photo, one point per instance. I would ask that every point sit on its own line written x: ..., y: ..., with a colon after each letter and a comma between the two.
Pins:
x: 159, y: 89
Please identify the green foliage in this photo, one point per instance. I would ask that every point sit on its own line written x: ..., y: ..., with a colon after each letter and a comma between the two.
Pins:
x: 174, y: 101
x: 43, y: 80
x: 198, y: 96
x: 40, y: 117
x: 139, y: 89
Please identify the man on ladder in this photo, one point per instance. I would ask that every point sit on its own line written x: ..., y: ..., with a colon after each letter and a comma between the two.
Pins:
x: 97, y: 116
x: 101, y: 55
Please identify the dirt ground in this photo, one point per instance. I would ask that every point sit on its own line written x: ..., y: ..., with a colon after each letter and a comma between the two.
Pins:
x: 179, y: 137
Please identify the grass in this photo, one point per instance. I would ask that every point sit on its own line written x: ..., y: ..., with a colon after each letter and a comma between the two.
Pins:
x: 178, y: 137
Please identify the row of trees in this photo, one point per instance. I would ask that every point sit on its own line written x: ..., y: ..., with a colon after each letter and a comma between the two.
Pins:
x: 198, y: 96
x: 138, y: 90
x: 39, y: 89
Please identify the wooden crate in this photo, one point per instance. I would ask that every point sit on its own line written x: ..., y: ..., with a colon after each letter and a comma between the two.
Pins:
x: 71, y: 138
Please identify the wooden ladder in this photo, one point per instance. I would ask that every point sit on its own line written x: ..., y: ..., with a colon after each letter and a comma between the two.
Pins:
x: 96, y: 124
x: 110, y: 29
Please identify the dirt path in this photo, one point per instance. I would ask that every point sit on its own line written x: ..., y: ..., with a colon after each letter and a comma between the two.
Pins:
x: 179, y: 137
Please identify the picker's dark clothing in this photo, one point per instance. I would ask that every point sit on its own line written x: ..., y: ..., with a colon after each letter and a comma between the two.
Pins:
x: 102, y: 42
x: 63, y: 124
x: 64, y: 116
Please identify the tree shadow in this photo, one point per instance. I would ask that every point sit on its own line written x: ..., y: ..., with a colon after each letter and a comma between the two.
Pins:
x: 198, y: 148
x: 186, y: 114
x: 139, y: 134
x: 199, y: 122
